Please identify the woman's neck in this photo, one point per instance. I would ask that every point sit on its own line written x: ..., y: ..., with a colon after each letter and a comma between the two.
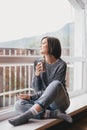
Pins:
x: 50, y: 59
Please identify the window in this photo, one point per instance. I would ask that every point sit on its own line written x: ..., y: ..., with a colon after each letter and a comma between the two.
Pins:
x: 23, y: 24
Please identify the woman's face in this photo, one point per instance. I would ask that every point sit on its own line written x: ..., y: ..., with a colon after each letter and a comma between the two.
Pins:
x: 44, y: 47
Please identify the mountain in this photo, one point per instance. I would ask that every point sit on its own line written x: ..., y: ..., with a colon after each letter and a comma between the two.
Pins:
x: 33, y: 42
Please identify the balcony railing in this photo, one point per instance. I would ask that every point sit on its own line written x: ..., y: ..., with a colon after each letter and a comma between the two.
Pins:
x: 16, y: 71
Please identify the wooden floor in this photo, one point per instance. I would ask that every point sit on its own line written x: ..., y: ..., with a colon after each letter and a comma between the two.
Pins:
x: 79, y: 123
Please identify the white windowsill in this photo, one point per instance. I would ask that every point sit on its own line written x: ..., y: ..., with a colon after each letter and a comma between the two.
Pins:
x: 77, y: 103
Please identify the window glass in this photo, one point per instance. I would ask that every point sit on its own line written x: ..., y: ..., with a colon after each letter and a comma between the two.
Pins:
x: 22, y: 25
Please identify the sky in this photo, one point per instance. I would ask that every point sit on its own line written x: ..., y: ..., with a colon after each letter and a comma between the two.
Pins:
x: 26, y: 18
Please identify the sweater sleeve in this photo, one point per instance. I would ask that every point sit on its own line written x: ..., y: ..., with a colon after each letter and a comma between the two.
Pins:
x: 37, y: 83
x: 37, y: 86
x: 36, y: 95
x: 36, y: 80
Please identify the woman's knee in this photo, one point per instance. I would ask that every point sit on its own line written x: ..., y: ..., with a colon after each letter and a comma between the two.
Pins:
x: 56, y: 84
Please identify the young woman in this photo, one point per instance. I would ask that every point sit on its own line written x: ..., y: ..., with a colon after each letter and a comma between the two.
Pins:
x: 51, y: 98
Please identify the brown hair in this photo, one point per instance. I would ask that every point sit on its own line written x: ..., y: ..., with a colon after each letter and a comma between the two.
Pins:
x: 54, y: 46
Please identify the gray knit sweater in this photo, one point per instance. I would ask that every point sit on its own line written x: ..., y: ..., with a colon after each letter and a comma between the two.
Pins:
x: 56, y: 71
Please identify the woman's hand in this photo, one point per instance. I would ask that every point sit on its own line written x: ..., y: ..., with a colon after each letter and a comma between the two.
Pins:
x: 39, y: 68
x: 24, y: 96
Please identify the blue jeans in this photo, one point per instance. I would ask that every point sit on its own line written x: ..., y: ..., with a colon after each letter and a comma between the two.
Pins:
x: 54, y: 97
